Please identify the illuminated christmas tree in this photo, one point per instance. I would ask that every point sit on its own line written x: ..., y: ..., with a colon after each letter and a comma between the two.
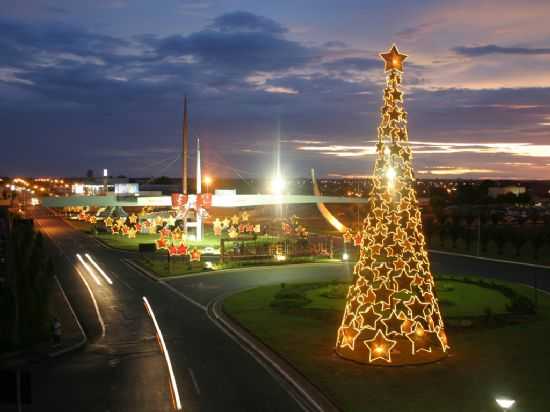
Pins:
x: 392, y: 315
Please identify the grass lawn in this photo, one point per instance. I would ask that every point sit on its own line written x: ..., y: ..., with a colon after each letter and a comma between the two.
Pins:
x: 124, y: 243
x: 510, y: 359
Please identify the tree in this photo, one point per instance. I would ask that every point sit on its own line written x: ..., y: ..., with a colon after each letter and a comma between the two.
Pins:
x: 538, y: 240
x: 30, y: 280
x: 518, y: 238
x: 392, y: 313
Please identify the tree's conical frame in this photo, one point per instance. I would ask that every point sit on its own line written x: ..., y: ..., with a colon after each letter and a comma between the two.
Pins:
x: 392, y: 314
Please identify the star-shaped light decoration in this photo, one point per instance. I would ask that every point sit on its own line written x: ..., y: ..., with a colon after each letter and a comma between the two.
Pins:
x: 244, y: 216
x: 380, y: 347
x: 133, y: 218
x: 422, y: 339
x: 370, y: 317
x: 348, y: 337
x: 393, y: 60
x: 108, y: 221
x: 416, y: 307
x: 233, y: 233
x: 384, y: 293
x: 195, y: 255
x: 177, y: 234
x: 347, y: 236
x: 121, y: 221
x: 161, y: 244
x: 182, y: 249
x: 235, y: 219
x: 226, y: 222
x: 357, y: 239
x: 131, y: 233
x: 171, y: 221
x: 93, y: 220
x: 393, y: 324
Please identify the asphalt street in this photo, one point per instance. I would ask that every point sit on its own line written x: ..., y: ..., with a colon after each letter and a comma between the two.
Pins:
x: 205, y: 288
x: 122, y: 368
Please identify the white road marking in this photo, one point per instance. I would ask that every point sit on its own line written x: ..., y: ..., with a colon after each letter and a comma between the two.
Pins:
x: 93, y: 262
x: 89, y: 269
x: 195, y: 383
x: 166, y: 354
x: 187, y: 298
x: 84, y: 337
x: 271, y: 366
x: 99, y: 317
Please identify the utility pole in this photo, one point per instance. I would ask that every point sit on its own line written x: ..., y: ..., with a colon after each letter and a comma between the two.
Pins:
x: 185, y: 147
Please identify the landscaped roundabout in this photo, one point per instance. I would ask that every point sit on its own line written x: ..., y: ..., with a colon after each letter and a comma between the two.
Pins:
x: 497, y: 346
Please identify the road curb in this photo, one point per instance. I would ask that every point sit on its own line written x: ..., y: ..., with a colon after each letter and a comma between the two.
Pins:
x: 84, y: 338
x: 141, y: 269
x: 307, y: 395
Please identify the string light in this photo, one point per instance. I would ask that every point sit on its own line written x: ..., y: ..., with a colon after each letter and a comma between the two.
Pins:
x: 392, y: 315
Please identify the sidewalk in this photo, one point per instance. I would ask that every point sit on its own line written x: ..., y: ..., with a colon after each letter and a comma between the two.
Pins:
x: 72, y: 338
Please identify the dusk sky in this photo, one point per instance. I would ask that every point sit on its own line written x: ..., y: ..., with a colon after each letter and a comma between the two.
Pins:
x: 94, y: 84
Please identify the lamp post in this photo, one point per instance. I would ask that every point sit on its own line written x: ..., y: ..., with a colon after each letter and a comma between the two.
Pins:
x: 207, y: 181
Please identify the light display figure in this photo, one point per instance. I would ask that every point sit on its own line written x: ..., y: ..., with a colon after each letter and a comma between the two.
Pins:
x: 392, y: 315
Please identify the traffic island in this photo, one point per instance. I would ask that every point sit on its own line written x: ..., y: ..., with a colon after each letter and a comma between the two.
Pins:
x: 496, y: 347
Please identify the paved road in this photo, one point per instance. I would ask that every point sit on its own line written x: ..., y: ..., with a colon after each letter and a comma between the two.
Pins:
x: 205, y: 288
x: 122, y: 369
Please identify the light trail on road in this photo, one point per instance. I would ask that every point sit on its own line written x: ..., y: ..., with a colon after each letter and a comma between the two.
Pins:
x: 94, y: 301
x: 89, y: 269
x: 93, y: 262
x: 173, y: 383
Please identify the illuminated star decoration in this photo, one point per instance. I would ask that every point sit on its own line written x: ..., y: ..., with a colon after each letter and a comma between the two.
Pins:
x: 380, y: 347
x: 393, y: 60
x: 391, y: 307
x: 195, y: 255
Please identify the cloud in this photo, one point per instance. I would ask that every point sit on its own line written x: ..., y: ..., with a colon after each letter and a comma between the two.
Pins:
x: 477, y: 51
x: 433, y: 148
x: 335, y: 44
x: 454, y: 170
x: 242, y: 21
x: 354, y: 63
x: 238, y: 41
x: 413, y: 32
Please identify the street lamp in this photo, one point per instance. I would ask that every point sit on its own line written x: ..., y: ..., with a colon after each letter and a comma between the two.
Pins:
x: 207, y: 181
x: 277, y: 185
x: 505, y: 403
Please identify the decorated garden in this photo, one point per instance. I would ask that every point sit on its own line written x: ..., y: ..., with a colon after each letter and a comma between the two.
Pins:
x: 495, y: 338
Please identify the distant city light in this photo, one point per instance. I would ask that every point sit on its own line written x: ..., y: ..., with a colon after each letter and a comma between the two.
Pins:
x: 345, y: 256
x: 105, y: 172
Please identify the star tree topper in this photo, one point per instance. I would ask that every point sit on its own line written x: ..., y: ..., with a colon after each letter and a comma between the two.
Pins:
x: 393, y: 59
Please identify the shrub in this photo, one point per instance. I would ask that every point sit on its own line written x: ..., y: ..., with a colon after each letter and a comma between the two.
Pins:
x: 520, y: 305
